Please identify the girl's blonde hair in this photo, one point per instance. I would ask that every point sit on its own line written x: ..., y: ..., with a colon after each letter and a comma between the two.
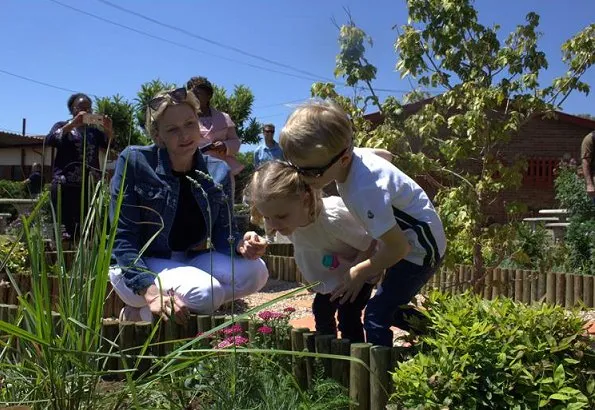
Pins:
x: 278, y: 180
x: 153, y: 117
x: 316, y: 126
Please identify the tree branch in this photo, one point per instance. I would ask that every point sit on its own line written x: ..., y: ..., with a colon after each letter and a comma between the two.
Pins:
x: 577, y: 77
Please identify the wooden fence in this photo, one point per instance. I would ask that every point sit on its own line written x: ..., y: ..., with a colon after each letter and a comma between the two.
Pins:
x: 527, y: 286
x: 369, y: 387
x: 564, y: 289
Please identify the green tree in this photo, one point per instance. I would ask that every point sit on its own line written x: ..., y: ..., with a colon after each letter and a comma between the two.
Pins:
x: 122, y: 113
x: 242, y: 179
x: 491, y: 88
x: 239, y: 107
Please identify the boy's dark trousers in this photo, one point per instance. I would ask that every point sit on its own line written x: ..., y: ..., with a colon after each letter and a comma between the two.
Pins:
x: 388, y: 306
x: 349, y: 315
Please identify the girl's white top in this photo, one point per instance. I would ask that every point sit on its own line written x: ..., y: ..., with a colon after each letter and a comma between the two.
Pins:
x: 326, y: 249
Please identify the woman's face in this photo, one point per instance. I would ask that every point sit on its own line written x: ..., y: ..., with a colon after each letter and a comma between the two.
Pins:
x: 204, y: 97
x: 81, y: 104
x: 178, y: 130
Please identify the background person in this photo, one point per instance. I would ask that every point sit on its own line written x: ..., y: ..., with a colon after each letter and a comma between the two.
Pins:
x: 77, y: 154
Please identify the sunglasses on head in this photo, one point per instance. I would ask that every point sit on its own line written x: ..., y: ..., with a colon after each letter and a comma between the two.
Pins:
x: 178, y: 95
x: 317, y: 172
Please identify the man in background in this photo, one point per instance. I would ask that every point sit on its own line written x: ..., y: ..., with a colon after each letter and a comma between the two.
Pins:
x: 269, y: 150
x: 34, y: 181
x: 588, y: 163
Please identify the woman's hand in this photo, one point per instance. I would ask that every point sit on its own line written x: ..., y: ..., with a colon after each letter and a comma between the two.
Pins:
x: 165, y: 304
x: 75, y: 122
x: 252, y: 246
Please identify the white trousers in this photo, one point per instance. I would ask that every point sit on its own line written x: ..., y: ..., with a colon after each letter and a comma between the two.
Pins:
x: 201, y: 291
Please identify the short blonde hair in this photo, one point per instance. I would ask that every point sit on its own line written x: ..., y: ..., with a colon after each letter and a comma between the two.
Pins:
x: 317, y: 125
x: 154, y: 116
x: 278, y: 180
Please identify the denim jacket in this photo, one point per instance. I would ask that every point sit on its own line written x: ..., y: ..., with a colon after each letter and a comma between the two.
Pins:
x: 149, y: 203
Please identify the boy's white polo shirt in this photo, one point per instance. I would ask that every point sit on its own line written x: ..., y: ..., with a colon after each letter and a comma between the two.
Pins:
x: 380, y: 195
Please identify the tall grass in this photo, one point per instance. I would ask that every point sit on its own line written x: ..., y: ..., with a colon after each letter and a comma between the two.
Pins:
x: 44, y: 358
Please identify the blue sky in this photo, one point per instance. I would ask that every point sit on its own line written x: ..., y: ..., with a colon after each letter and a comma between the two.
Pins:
x: 47, y: 42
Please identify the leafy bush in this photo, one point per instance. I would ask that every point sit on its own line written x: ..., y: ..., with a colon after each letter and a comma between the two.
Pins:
x: 13, y: 256
x: 580, y: 235
x: 11, y: 189
x: 532, y: 249
x: 481, y: 354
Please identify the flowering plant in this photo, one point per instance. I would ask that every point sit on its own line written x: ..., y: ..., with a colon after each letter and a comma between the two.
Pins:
x: 272, y: 328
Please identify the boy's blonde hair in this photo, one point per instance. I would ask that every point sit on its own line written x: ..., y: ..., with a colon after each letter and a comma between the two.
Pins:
x: 278, y: 180
x: 316, y: 126
x: 154, y: 116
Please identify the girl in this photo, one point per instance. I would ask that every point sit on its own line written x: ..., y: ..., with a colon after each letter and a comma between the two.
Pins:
x: 327, y: 241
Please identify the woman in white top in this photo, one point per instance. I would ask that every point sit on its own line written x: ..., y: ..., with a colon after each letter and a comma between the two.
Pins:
x: 327, y: 241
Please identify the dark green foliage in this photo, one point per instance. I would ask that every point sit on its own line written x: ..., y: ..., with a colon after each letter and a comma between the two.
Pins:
x: 580, y: 235
x: 481, y: 354
x: 13, y: 256
x: 533, y: 249
x: 11, y: 189
x: 122, y: 114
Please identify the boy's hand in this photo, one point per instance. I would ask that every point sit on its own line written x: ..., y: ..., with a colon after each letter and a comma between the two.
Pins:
x: 252, y: 246
x: 352, y: 284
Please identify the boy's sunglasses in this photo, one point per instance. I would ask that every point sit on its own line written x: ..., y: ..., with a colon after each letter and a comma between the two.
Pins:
x: 317, y: 172
x: 178, y: 95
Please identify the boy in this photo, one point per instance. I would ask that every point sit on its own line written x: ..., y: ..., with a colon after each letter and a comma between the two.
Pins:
x: 318, y: 141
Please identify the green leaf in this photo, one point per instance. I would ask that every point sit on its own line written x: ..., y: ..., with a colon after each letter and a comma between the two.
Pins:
x: 559, y: 396
x: 559, y: 376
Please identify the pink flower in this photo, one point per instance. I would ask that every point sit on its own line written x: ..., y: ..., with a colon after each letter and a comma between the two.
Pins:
x: 265, y: 315
x: 289, y: 309
x: 268, y: 315
x: 232, y: 330
x: 239, y: 340
x: 265, y: 330
x: 223, y: 344
x: 231, y: 341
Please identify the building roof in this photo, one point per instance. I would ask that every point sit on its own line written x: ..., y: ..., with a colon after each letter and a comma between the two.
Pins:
x: 409, y: 109
x: 9, y: 139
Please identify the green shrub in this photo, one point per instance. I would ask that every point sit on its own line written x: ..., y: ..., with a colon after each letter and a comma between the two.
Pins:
x: 11, y: 189
x: 532, y: 249
x: 13, y: 256
x: 481, y: 354
x: 580, y: 235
